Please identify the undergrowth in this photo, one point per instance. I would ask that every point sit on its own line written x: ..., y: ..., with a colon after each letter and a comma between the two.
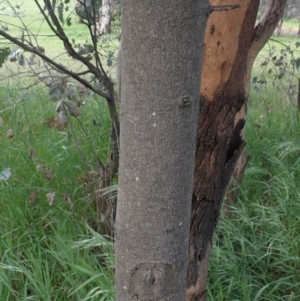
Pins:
x: 48, y: 250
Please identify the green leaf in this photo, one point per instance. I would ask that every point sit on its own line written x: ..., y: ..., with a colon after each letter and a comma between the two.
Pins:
x: 21, y: 60
x: 281, y: 73
x: 55, y: 93
x: 4, y: 52
x: 14, y: 55
x: 69, y: 21
x: 109, y: 63
x: 60, y: 11
x: 297, y: 62
x: 90, y: 48
x: 67, y: 1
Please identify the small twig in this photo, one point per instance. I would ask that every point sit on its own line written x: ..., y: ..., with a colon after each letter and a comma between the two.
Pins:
x: 225, y: 7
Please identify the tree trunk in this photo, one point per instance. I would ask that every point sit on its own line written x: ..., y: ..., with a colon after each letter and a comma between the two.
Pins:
x: 261, y: 34
x: 161, y: 50
x: 227, y: 41
x: 279, y: 28
x: 105, y: 19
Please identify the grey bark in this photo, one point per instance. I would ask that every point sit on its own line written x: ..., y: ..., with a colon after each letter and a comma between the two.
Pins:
x: 104, y: 23
x: 161, y: 54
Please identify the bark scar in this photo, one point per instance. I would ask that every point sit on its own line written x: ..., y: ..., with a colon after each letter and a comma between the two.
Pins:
x: 153, y: 281
x: 185, y: 101
x: 236, y: 140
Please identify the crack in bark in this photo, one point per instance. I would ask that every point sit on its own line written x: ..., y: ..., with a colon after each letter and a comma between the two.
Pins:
x: 236, y: 139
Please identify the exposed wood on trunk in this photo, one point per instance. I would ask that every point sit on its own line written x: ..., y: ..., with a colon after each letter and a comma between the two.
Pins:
x: 228, y: 38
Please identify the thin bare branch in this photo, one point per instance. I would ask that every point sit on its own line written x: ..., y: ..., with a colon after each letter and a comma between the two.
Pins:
x: 53, y: 63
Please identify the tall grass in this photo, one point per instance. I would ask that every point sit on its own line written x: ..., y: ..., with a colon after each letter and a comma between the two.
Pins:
x: 49, y: 252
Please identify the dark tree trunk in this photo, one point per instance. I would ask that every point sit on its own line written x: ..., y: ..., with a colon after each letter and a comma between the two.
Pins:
x: 219, y: 144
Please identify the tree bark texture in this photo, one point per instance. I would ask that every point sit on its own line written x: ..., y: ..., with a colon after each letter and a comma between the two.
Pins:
x: 162, y: 44
x: 219, y: 144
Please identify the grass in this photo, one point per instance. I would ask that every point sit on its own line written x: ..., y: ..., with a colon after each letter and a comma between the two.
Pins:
x: 49, y: 252
x: 291, y: 23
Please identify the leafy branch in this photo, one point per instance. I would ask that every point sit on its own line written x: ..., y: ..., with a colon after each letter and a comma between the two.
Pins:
x: 88, y: 55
